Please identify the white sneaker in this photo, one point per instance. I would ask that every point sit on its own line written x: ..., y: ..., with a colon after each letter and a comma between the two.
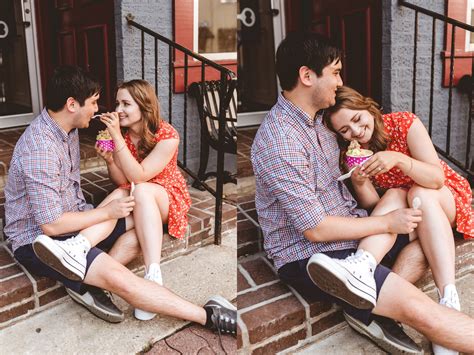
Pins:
x: 68, y: 257
x: 350, y: 279
x: 153, y: 274
x: 450, y: 299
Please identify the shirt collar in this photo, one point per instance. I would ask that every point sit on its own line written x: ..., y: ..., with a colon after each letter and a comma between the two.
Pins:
x: 299, y: 113
x: 53, y: 126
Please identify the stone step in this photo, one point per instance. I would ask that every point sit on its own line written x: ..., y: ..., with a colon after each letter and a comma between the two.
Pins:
x: 274, y: 317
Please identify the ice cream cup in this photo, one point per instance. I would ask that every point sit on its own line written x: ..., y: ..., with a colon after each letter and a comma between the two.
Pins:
x: 106, y: 144
x: 353, y: 160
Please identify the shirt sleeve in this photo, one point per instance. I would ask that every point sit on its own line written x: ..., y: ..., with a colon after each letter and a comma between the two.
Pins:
x: 286, y: 172
x: 42, y: 178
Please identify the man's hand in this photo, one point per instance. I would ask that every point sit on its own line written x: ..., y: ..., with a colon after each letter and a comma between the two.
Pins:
x: 120, y: 207
x: 403, y: 221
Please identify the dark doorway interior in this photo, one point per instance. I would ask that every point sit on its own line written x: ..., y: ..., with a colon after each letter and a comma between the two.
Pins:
x: 79, y: 32
x: 356, y: 26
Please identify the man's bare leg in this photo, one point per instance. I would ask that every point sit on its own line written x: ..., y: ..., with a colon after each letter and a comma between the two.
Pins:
x: 411, y: 263
x: 400, y: 300
x: 106, y: 273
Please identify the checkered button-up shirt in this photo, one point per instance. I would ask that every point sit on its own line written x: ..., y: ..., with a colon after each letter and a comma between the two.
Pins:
x: 43, y: 180
x: 295, y: 160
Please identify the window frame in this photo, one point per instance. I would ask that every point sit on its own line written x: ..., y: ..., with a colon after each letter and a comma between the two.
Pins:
x: 211, y: 56
x: 183, y: 32
x: 456, y: 9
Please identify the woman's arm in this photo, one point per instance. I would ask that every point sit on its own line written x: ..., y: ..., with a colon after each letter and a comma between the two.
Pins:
x: 424, y: 168
x: 365, y: 193
x: 151, y: 166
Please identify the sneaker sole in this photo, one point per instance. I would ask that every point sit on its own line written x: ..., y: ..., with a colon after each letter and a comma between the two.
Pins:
x: 54, y: 256
x: 98, y: 312
x: 223, y: 302
x: 378, y: 337
x: 330, y: 281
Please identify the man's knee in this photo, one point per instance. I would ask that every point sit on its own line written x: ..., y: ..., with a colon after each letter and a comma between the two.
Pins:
x: 119, y: 280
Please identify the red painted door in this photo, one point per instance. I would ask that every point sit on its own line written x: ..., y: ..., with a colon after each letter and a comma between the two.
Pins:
x: 355, y: 26
x: 79, y: 32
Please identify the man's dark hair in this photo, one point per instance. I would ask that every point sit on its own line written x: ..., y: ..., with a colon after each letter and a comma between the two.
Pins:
x: 69, y: 81
x: 303, y: 49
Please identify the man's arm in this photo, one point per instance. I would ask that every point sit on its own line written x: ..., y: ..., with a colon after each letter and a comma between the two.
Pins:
x: 42, y: 173
x: 332, y: 228
x: 74, y: 221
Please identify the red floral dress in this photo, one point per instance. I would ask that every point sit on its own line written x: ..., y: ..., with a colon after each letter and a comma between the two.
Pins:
x: 397, y: 125
x: 173, y: 182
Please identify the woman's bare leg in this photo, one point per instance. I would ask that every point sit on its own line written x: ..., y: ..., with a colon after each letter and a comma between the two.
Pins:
x: 435, y: 233
x: 379, y: 244
x: 98, y: 232
x: 150, y: 212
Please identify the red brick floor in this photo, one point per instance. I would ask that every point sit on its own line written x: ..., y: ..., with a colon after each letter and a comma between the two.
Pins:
x: 194, y: 340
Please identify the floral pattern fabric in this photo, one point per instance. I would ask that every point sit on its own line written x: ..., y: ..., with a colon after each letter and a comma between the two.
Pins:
x: 173, y: 182
x: 397, y: 125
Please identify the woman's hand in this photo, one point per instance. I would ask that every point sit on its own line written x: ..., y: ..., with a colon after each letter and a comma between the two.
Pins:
x: 380, y: 163
x: 358, y: 177
x: 104, y: 154
x: 111, y: 120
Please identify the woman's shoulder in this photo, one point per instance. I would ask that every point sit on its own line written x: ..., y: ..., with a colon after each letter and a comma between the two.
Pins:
x: 166, y: 131
x: 403, y: 119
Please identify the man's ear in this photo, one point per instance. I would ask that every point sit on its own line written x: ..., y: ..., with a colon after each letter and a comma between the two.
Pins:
x: 305, y: 75
x: 71, y: 104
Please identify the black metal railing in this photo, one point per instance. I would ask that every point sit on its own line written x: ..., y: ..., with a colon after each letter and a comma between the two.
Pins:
x: 466, y: 166
x: 227, y: 85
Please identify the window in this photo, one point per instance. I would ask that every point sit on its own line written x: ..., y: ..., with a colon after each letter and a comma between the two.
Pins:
x: 220, y: 18
x: 470, y: 21
x: 215, y: 29
x: 463, y: 11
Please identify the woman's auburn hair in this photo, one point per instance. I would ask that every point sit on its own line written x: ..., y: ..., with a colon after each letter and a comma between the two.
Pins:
x: 350, y: 99
x: 145, y: 97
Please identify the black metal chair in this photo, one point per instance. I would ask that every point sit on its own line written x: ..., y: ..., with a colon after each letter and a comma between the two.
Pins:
x: 208, y: 100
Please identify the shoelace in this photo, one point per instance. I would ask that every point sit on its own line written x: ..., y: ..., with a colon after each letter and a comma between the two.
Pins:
x: 103, y: 296
x: 223, y: 323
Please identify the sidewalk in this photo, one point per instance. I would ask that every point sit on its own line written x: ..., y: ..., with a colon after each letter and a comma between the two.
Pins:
x: 69, y: 328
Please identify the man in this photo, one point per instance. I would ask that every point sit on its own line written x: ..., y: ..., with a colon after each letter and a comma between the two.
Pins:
x: 304, y: 211
x: 44, y: 196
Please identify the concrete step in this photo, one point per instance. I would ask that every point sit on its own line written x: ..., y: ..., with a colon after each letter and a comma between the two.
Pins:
x: 65, y: 327
x: 274, y: 317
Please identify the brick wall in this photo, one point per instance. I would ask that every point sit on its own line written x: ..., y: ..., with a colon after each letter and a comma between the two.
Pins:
x: 397, y: 72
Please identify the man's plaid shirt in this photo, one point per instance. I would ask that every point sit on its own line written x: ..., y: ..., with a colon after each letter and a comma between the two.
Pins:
x: 296, y: 163
x: 43, y: 180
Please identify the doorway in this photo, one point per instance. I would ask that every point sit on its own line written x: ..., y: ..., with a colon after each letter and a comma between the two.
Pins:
x: 260, y: 30
x: 20, y: 98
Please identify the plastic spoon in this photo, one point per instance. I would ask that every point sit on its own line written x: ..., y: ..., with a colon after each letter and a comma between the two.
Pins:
x: 416, y: 203
x: 132, y: 187
x: 346, y: 175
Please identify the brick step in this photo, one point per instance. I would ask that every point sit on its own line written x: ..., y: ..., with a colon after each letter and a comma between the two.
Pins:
x: 274, y: 317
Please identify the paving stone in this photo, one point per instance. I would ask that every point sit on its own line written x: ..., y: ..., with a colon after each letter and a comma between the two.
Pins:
x: 195, y: 340
x: 327, y: 322
x: 259, y: 271
x: 273, y: 318
x: 5, y: 257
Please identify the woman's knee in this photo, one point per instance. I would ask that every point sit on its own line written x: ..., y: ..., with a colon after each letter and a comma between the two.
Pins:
x: 391, y: 200
x: 145, y: 190
x: 421, y: 192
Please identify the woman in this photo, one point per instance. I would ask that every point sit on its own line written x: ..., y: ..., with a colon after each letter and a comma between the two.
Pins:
x: 405, y: 159
x: 146, y: 152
